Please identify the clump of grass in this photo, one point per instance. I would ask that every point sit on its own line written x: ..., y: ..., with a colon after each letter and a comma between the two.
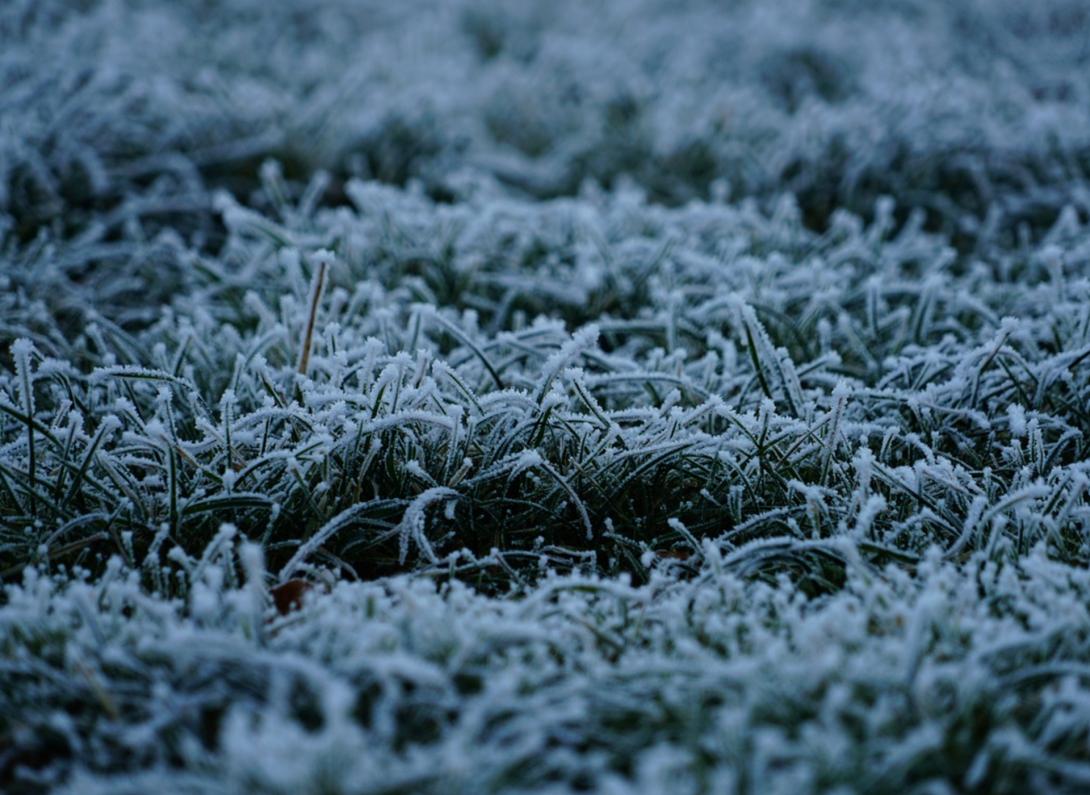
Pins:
x: 739, y: 400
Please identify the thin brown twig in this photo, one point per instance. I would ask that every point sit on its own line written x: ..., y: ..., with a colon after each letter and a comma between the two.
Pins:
x: 317, y: 285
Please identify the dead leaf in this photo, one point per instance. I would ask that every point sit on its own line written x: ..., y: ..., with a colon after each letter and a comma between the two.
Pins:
x: 288, y: 596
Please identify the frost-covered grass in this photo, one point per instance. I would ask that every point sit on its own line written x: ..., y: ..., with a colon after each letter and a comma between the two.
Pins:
x: 657, y: 396
x: 707, y: 371
x: 950, y: 678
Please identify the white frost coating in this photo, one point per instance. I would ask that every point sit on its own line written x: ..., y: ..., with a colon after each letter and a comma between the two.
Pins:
x: 414, y: 521
x: 1017, y: 417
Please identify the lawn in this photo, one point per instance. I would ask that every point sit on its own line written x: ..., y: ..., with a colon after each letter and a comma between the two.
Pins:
x: 485, y: 396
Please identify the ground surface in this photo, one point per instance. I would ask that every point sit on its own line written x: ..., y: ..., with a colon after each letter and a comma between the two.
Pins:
x: 643, y: 396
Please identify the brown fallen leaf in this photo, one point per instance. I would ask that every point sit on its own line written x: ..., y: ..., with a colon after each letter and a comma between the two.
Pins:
x: 288, y: 596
